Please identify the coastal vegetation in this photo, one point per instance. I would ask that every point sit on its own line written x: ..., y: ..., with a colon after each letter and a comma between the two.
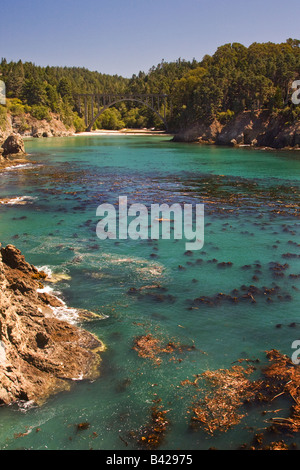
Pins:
x: 219, y: 87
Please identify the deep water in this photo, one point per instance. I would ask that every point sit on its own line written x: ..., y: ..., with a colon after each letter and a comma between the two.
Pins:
x: 251, y: 200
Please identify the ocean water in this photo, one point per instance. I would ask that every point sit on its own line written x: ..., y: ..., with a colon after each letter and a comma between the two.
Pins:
x: 251, y: 198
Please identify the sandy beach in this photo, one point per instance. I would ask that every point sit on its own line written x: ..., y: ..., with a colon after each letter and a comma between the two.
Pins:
x: 122, y: 132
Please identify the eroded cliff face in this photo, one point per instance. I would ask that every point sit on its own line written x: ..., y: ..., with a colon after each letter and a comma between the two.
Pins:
x: 28, y: 126
x: 256, y: 129
x: 39, y: 354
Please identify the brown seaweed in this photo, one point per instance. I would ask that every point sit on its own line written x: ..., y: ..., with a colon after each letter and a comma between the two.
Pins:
x: 222, y: 396
x: 150, y: 347
x: 225, y: 392
x: 152, y: 435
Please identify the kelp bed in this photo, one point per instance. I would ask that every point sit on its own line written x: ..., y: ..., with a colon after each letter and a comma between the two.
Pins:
x: 224, y: 397
x: 151, y: 347
x: 225, y: 394
x: 226, y: 390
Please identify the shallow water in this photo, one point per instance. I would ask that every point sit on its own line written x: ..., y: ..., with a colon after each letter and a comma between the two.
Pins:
x: 250, y: 197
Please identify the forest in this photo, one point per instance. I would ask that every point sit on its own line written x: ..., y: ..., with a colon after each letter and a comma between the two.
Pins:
x: 234, y: 79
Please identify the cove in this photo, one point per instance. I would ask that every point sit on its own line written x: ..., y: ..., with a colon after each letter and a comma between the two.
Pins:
x: 165, y: 313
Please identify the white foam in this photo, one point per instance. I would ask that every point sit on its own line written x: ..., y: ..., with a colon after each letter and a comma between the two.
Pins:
x: 66, y: 313
x: 71, y: 315
x: 46, y: 269
x: 80, y: 377
x: 18, y: 167
x: 46, y: 290
x: 17, y: 200
x: 25, y: 406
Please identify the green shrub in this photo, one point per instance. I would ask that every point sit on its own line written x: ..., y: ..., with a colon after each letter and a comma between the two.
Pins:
x: 17, y: 110
x: 27, y: 108
x: 290, y: 113
x: 111, y: 119
x: 15, y: 107
x: 225, y: 116
x: 134, y: 120
x: 40, y: 112
x: 3, y: 116
x: 23, y: 127
x: 79, y: 124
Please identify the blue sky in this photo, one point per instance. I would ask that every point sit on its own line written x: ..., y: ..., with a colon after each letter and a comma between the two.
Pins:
x: 125, y: 36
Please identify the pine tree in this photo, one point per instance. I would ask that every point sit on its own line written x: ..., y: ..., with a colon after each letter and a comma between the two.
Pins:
x: 15, y: 80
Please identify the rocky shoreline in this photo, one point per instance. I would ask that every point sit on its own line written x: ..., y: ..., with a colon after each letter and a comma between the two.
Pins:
x: 254, y: 129
x: 12, y: 151
x: 28, y: 126
x: 40, y: 355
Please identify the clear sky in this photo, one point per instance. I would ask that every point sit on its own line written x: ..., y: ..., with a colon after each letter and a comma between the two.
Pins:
x: 125, y: 36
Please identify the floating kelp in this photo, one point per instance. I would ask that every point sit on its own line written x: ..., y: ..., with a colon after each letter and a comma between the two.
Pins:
x: 246, y: 293
x: 224, y: 264
x: 278, y: 269
x: 152, y: 435
x: 82, y: 426
x: 150, y: 347
x: 290, y: 255
x: 221, y: 397
x: 282, y: 378
x: 222, y: 194
x: 225, y: 392
x: 294, y: 276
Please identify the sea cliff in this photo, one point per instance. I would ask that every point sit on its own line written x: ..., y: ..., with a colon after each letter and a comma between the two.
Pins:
x: 255, y: 129
x: 29, y: 126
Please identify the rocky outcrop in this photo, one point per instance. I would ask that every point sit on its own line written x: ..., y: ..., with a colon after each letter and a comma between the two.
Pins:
x: 200, y: 132
x: 5, y: 128
x: 28, y: 126
x: 39, y: 354
x: 256, y: 129
x: 13, y: 145
x: 12, y: 151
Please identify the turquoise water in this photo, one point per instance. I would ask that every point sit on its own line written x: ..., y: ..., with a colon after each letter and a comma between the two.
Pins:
x: 250, y: 199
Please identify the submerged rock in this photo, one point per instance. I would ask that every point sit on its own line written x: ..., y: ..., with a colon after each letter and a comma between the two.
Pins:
x: 40, y: 354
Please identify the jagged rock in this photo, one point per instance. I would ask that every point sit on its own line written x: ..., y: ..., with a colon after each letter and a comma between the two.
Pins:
x: 14, y: 259
x: 50, y: 300
x: 13, y: 145
x: 39, y: 354
x: 28, y: 126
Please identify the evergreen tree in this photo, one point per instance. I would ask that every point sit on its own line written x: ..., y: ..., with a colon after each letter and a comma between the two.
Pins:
x: 15, y: 80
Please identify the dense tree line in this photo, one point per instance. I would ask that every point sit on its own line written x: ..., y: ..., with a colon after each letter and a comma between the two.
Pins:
x: 234, y: 79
